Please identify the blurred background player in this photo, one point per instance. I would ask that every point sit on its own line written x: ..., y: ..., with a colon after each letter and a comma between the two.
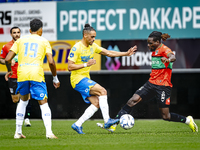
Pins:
x: 31, y: 50
x: 15, y: 33
x: 80, y: 60
x: 159, y: 84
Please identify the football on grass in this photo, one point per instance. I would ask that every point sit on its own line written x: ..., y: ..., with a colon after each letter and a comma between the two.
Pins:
x: 127, y: 121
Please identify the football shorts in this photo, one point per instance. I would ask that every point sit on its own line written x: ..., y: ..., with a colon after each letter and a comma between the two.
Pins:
x: 83, y: 87
x: 12, y: 84
x: 38, y: 90
x: 162, y: 93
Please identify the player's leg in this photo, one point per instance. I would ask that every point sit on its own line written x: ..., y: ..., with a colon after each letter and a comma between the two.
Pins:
x: 127, y: 108
x: 89, y: 112
x: 46, y: 117
x: 12, y: 83
x: 163, y: 98
x: 166, y: 115
x: 101, y: 92
x: 28, y: 114
x: 15, y: 98
x: 23, y: 88
x: 38, y: 92
x: 83, y: 87
x: 143, y: 93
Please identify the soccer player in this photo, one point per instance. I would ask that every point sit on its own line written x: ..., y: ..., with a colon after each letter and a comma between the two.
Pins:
x: 15, y: 33
x: 80, y: 60
x: 31, y: 50
x: 159, y: 84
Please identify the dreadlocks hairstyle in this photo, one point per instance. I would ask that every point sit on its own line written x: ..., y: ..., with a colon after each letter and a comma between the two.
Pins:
x: 35, y: 25
x: 159, y: 35
x: 88, y: 28
x: 14, y: 28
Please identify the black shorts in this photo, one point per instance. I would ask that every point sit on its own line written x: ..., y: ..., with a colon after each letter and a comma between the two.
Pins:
x: 12, y: 84
x: 162, y: 93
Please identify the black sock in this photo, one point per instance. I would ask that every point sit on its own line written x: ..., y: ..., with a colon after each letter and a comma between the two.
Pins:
x: 177, y: 118
x: 125, y: 110
x: 28, y: 110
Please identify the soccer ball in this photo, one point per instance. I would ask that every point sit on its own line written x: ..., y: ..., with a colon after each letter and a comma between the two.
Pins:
x: 126, y: 121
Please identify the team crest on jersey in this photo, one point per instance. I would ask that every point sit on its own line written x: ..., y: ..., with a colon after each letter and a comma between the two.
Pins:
x: 71, y: 55
x: 91, y: 50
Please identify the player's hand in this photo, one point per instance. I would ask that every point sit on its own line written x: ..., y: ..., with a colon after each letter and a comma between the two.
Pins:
x: 56, y: 85
x: 164, y: 60
x: 12, y: 62
x: 132, y: 51
x: 56, y: 82
x: 8, y: 74
x: 91, y: 62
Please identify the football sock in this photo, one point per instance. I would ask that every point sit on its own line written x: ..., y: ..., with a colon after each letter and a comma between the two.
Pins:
x: 20, y: 111
x: 125, y: 110
x: 28, y: 110
x: 103, y: 104
x: 177, y: 118
x: 89, y: 112
x: 46, y: 116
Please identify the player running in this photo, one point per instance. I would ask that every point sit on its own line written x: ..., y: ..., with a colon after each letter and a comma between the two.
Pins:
x: 80, y: 61
x: 15, y: 33
x: 159, y: 84
x: 31, y: 50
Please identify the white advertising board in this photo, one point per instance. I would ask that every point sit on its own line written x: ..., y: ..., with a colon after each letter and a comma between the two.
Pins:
x: 20, y: 15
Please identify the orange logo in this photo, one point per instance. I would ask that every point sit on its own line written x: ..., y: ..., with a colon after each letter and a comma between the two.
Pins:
x: 167, y: 102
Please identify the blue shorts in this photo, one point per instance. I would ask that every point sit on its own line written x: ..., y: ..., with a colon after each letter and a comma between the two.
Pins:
x: 38, y: 90
x: 83, y: 87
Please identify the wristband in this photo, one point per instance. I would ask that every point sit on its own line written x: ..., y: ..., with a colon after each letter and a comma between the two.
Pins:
x: 55, y: 79
x: 85, y: 65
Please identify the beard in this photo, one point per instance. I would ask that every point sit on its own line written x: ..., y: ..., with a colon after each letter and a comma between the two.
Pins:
x: 15, y: 38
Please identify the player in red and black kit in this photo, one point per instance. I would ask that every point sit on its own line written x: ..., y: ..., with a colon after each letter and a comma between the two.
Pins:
x: 15, y: 33
x: 159, y: 84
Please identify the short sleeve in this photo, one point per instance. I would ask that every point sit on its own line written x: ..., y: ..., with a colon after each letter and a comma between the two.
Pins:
x: 98, y: 49
x: 3, y: 52
x: 73, y: 55
x: 167, y: 51
x: 15, y: 46
x: 48, y: 47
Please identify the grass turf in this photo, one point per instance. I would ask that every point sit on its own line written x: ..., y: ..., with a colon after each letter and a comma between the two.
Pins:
x: 145, y: 135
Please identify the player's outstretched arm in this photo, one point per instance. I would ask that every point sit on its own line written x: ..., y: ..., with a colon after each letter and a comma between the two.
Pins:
x: 108, y: 53
x: 52, y: 67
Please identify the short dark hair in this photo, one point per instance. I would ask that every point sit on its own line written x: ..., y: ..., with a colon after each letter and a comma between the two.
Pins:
x: 87, y: 28
x: 159, y: 35
x: 35, y: 25
x: 14, y: 28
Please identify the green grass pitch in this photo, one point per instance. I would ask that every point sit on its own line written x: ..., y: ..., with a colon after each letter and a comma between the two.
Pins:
x: 145, y: 135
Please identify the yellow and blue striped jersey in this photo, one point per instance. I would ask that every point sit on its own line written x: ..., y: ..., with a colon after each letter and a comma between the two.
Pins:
x: 31, y: 50
x: 81, y: 54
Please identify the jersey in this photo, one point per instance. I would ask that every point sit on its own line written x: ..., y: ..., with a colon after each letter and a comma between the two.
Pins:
x: 161, y: 73
x: 4, y: 52
x: 80, y: 54
x: 31, y: 50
